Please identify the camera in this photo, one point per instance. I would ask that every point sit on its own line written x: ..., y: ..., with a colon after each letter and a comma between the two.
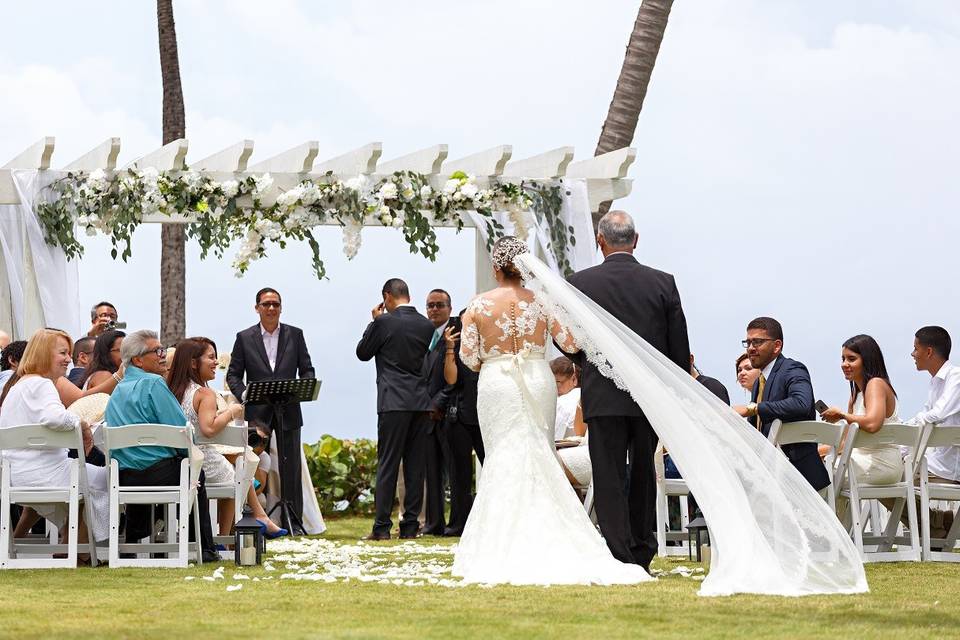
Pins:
x: 113, y: 324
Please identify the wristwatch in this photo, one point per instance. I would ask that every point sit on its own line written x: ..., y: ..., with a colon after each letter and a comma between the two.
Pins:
x: 752, y: 409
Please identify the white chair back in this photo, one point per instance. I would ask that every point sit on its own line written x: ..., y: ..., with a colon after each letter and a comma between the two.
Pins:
x: 782, y: 433
x: 232, y: 436
x: 37, y: 436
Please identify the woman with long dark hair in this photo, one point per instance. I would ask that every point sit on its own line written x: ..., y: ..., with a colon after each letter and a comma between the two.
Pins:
x: 872, y: 404
x: 105, y: 359
x: 194, y: 365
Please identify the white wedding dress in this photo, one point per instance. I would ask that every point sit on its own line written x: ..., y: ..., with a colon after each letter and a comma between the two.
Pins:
x: 527, y: 525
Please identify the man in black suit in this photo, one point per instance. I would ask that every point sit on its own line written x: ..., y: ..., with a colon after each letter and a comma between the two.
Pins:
x: 438, y: 312
x: 646, y: 301
x: 782, y: 392
x: 462, y: 428
x: 399, y: 338
x: 270, y: 350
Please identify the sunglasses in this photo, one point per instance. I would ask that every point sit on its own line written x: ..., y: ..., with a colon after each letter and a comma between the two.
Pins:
x: 270, y: 305
x: 756, y: 342
x: 436, y: 305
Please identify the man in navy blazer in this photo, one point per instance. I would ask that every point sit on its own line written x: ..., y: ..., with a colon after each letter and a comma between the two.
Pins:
x: 783, y: 392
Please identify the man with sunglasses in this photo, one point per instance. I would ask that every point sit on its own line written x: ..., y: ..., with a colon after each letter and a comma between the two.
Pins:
x: 271, y: 350
x: 782, y: 392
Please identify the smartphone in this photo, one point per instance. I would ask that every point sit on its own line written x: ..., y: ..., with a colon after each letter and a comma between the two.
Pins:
x: 821, y: 406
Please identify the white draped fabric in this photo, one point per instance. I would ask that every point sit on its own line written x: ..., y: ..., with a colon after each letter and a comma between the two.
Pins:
x: 770, y: 532
x: 43, y: 286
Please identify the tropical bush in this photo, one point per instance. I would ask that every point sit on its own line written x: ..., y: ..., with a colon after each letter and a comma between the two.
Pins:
x: 343, y: 474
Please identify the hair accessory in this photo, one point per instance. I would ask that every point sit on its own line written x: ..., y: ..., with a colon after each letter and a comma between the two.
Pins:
x: 506, y: 250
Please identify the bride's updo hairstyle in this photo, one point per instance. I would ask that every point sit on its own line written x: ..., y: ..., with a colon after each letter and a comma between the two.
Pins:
x: 505, y: 251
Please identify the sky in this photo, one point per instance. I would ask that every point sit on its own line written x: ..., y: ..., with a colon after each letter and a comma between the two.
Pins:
x: 795, y: 158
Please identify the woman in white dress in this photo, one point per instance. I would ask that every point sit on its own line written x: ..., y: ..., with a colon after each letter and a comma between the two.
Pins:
x: 770, y: 533
x: 527, y: 525
x: 569, y: 422
x: 33, y: 399
x: 872, y: 404
x: 194, y: 365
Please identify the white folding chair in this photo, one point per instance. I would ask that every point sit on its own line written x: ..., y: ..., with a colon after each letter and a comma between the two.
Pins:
x: 181, y: 497
x: 21, y: 555
x: 667, y: 488
x: 232, y: 436
x: 782, y: 433
x: 908, y: 546
x: 937, y: 436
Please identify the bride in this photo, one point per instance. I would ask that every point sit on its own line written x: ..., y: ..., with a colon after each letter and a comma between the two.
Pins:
x: 770, y: 532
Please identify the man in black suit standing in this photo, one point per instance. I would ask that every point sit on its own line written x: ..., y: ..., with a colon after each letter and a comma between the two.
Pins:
x: 646, y: 301
x: 782, y: 392
x: 438, y: 312
x: 270, y: 350
x: 398, y: 338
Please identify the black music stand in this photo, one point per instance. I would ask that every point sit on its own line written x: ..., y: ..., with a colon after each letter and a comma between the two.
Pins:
x: 278, y: 394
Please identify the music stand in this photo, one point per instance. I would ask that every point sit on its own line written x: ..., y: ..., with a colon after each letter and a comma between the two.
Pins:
x: 278, y: 394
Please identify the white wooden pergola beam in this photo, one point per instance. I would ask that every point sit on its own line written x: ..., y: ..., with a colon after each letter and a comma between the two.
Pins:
x: 612, y: 165
x: 36, y: 156
x: 485, y: 163
x: 103, y: 156
x: 169, y: 157
x: 232, y: 159
x: 299, y: 159
x: 362, y: 160
x: 603, y: 189
x: 544, y: 166
x: 427, y: 161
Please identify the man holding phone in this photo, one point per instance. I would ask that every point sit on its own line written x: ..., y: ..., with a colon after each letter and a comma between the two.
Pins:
x: 782, y: 392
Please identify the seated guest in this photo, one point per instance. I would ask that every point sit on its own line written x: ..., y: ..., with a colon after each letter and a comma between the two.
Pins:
x: 193, y: 366
x: 746, y: 374
x: 872, y: 404
x: 32, y: 399
x: 569, y: 422
x: 105, y: 360
x: 9, y: 358
x: 783, y: 391
x: 102, y: 315
x: 82, y: 352
x: 142, y: 397
x: 258, y: 440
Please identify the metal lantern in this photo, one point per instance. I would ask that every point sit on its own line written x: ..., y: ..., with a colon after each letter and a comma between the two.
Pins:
x: 695, y: 529
x: 248, y: 543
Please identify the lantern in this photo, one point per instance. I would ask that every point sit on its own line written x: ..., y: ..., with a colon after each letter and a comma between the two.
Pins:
x: 248, y: 541
x: 695, y: 529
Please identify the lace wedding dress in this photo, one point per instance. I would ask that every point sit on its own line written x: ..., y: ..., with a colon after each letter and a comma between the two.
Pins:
x: 527, y: 525
x: 770, y: 532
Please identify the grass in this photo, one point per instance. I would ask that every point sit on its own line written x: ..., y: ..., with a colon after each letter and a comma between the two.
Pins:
x: 905, y: 598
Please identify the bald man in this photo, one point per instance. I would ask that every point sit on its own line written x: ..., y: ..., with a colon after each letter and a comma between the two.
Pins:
x: 4, y: 339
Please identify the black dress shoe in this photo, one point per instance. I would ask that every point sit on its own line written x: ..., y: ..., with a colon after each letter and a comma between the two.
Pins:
x: 410, y: 536
x: 451, y: 533
x: 433, y: 532
x: 374, y: 537
x: 210, y: 556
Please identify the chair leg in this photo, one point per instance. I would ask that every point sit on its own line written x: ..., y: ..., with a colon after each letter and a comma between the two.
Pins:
x: 114, y: 517
x: 856, y: 519
x: 912, y: 520
x: 925, y: 518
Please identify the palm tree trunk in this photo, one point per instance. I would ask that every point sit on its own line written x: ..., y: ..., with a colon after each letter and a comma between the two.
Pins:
x: 173, y: 322
x: 638, y: 62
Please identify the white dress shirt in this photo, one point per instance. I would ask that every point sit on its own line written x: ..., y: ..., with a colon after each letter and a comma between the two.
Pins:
x: 943, y: 407
x: 270, y: 342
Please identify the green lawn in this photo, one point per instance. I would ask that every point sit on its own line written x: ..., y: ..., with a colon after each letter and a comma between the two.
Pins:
x: 906, y: 600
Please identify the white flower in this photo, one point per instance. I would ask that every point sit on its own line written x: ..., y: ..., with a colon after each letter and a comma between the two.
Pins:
x: 230, y: 188
x: 98, y: 176
x: 150, y: 175
x: 191, y: 178
x: 91, y: 231
x: 356, y: 183
x: 388, y: 191
x: 450, y: 186
x: 398, y: 222
x: 426, y: 192
x: 288, y: 198
x: 407, y: 193
x: 384, y: 210
x: 469, y: 190
x: 261, y: 184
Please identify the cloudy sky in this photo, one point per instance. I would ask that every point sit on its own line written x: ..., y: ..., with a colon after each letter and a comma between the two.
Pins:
x: 795, y: 158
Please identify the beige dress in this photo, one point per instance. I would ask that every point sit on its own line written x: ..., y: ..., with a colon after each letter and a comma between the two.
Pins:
x: 876, y: 465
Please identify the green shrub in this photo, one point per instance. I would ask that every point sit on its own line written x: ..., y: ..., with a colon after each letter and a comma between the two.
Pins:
x: 343, y: 474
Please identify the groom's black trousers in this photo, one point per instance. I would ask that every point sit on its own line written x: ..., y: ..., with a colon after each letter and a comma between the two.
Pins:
x: 400, y: 437
x: 626, y: 507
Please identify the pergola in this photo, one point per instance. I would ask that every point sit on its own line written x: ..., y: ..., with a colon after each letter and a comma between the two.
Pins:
x: 603, y: 178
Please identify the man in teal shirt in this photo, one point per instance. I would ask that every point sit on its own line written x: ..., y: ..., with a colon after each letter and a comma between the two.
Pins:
x: 142, y: 397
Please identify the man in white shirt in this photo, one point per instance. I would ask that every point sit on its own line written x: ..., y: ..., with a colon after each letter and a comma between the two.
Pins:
x: 931, y: 350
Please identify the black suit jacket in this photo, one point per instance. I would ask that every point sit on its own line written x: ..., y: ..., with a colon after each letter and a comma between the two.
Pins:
x: 249, y: 359
x: 399, y: 342
x: 646, y: 301
x: 715, y: 386
x: 788, y: 396
x: 437, y: 386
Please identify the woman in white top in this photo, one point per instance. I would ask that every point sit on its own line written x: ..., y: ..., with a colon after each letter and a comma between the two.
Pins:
x: 872, y: 404
x: 569, y: 422
x: 33, y: 399
x: 194, y: 365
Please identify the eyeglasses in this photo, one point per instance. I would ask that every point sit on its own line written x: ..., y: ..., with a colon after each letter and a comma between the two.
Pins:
x: 436, y: 305
x: 755, y: 342
x: 270, y: 305
x: 160, y: 351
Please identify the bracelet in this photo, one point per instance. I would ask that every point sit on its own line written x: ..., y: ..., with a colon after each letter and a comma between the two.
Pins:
x: 116, y: 377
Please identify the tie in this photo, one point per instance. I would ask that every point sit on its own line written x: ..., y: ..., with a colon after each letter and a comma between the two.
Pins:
x: 434, y: 340
x: 763, y: 383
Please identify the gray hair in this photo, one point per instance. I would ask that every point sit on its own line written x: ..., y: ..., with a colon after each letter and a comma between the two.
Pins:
x: 135, y: 344
x: 617, y: 229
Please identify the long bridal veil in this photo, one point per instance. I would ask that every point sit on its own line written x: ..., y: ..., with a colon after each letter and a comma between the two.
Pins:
x: 770, y: 532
